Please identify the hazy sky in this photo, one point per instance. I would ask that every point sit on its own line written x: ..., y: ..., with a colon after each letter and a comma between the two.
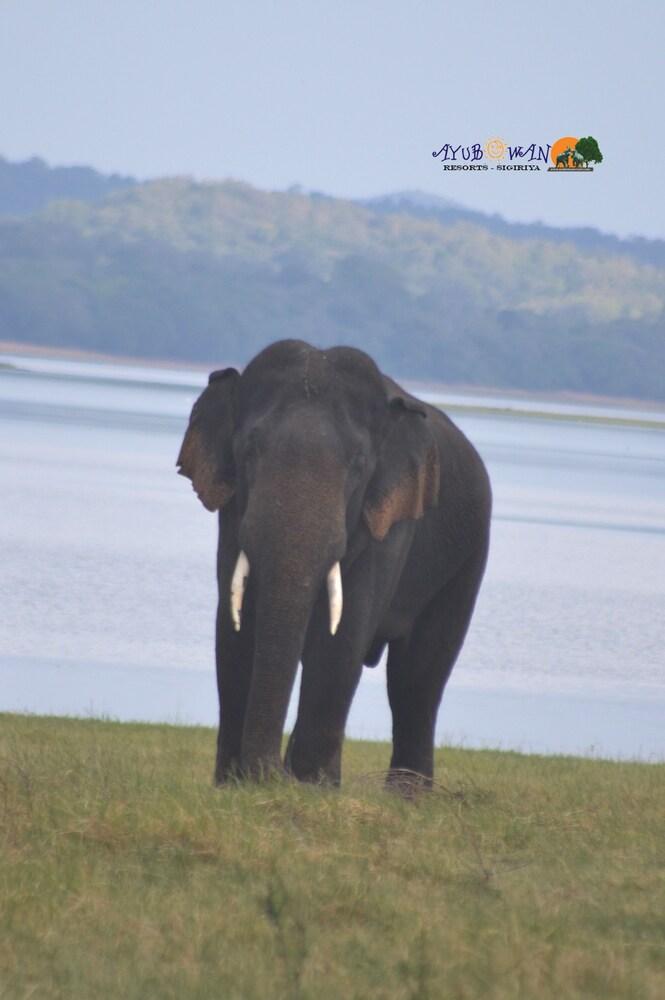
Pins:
x: 349, y: 97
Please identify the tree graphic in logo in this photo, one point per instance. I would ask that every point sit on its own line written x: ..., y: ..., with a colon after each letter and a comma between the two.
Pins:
x: 589, y: 151
x: 570, y: 153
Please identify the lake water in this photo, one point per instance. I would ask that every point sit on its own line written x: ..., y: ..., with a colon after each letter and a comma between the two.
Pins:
x: 107, y: 579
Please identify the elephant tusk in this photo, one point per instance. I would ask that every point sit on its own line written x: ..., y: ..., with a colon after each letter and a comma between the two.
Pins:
x: 335, y: 596
x: 238, y: 584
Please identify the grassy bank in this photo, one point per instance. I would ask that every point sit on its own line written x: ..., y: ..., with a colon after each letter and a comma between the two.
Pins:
x: 123, y: 873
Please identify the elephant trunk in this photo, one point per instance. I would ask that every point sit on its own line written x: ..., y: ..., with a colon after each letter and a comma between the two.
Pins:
x: 291, y: 555
x: 283, y: 609
x: 282, y: 614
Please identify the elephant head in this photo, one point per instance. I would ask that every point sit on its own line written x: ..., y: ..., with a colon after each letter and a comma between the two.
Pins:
x: 310, y: 455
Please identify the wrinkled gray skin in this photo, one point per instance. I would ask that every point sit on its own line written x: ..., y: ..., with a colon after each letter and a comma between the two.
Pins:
x: 312, y: 457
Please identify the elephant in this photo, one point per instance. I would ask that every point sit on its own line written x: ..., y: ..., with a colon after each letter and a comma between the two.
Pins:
x: 563, y: 158
x: 578, y: 159
x: 352, y: 516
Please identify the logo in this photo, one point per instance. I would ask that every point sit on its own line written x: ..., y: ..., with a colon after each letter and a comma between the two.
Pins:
x: 574, y: 154
x: 495, y: 149
x: 567, y: 153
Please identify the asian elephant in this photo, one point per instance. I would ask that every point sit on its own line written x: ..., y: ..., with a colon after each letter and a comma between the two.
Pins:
x: 351, y: 516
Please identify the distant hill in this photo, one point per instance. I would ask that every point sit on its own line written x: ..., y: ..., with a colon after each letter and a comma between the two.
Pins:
x: 421, y: 205
x: 203, y: 271
x: 29, y: 186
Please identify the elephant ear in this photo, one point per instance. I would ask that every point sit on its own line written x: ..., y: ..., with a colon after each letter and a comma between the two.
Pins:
x: 206, y: 455
x: 406, y: 481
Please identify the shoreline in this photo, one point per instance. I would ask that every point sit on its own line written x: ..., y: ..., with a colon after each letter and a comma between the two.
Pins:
x: 366, y: 741
x: 591, y: 418
x: 609, y: 726
x: 484, y: 401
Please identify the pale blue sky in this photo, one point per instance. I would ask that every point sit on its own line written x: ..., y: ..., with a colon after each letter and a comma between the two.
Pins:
x: 349, y: 98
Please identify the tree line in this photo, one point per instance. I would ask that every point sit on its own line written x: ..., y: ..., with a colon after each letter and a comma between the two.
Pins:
x: 213, y: 272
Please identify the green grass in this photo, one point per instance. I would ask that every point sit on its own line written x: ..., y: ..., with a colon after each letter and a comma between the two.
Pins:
x: 124, y: 873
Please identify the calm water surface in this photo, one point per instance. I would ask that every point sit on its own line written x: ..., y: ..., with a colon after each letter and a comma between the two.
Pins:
x: 107, y: 581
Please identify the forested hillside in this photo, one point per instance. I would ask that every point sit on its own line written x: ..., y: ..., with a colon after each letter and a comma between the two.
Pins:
x: 28, y: 187
x: 586, y: 238
x: 208, y: 272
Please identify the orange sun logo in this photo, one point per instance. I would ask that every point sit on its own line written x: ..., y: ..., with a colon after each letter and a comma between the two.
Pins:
x: 495, y: 149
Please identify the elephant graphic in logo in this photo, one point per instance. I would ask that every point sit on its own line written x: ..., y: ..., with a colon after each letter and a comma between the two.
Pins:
x: 569, y: 153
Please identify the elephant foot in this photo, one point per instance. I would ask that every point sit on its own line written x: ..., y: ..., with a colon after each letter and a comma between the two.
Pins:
x: 329, y: 777
x: 262, y: 770
x: 408, y: 784
x: 226, y: 773
x: 321, y: 777
x: 313, y: 764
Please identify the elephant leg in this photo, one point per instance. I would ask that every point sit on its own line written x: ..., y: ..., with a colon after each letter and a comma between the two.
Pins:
x: 418, y: 669
x: 234, y: 655
x: 332, y: 667
x: 327, y: 687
